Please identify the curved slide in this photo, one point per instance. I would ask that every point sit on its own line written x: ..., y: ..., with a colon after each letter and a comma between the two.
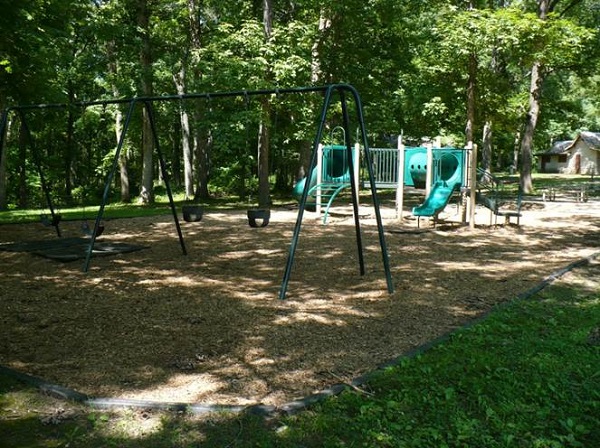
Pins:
x: 335, y: 172
x: 299, y: 187
x: 436, y: 201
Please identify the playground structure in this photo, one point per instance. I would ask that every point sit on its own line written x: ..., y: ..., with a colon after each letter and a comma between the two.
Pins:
x: 441, y: 172
x: 147, y: 103
x: 331, y: 175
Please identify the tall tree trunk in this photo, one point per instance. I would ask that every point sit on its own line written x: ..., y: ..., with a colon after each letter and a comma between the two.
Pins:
x: 123, y: 170
x: 184, y: 117
x: 264, y: 197
x: 113, y: 70
x: 535, y: 93
x: 3, y: 158
x: 516, y: 151
x: 3, y: 192
x: 203, y: 144
x: 486, y: 152
x: 471, y: 83
x: 200, y: 136
x: 22, y: 200
x: 69, y: 145
x: 143, y: 22
x: 174, y: 155
x: 316, y: 76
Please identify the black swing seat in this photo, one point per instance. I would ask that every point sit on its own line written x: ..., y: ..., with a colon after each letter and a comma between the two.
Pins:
x: 192, y: 213
x: 87, y: 230
x: 261, y: 214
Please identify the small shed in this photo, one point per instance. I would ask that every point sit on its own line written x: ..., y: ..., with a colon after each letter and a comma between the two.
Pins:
x: 579, y: 156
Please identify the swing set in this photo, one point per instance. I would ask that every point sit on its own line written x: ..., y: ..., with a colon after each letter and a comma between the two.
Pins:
x: 342, y: 92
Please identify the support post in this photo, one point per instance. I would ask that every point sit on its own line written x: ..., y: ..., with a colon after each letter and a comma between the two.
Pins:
x: 165, y: 174
x: 429, y: 174
x: 319, y: 180
x: 375, y: 199
x: 356, y: 174
x: 55, y: 218
x: 400, y: 179
x: 369, y: 165
x: 353, y: 186
x: 109, y: 179
x: 472, y: 185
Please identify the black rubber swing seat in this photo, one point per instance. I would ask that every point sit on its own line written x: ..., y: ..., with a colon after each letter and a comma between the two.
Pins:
x: 192, y: 213
x: 260, y: 214
x: 89, y: 230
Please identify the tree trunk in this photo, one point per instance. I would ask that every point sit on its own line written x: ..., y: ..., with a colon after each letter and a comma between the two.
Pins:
x: 471, y: 83
x: 143, y: 22
x: 69, y: 145
x: 118, y: 115
x: 123, y: 171
x: 203, y: 144
x: 486, y: 152
x: 264, y: 197
x: 316, y: 75
x: 188, y: 162
x: 22, y: 200
x: 535, y: 93
x: 3, y: 192
x: 516, y: 151
x: 3, y: 158
x: 200, y: 136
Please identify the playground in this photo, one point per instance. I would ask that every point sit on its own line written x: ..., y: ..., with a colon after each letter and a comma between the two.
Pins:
x: 214, y: 312
x: 207, y: 327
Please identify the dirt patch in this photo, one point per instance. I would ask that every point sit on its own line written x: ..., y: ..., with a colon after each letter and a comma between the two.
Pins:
x: 208, y: 327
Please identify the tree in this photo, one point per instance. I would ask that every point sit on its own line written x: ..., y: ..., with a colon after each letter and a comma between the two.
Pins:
x: 558, y: 51
x: 264, y: 197
x: 143, y: 14
x: 425, y: 68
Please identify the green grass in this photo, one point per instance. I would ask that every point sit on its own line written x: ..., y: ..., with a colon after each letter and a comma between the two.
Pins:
x: 526, y: 376
x: 126, y: 210
x: 161, y: 206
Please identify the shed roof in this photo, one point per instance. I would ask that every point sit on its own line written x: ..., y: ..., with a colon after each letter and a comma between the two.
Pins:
x: 591, y: 139
x: 560, y: 147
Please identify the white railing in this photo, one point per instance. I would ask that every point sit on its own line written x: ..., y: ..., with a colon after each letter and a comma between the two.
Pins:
x: 385, y: 167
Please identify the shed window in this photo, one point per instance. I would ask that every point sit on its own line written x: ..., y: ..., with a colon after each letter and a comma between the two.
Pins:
x: 562, y: 158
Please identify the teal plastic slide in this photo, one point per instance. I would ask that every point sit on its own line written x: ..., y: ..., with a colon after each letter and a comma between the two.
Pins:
x: 436, y: 201
x: 335, y: 172
x: 299, y: 187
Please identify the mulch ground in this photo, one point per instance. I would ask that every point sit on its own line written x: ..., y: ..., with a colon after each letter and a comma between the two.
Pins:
x: 208, y: 327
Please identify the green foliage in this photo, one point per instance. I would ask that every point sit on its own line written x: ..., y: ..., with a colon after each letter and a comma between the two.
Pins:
x: 408, y: 60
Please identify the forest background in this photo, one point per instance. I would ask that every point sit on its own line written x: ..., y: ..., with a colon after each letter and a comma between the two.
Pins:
x: 510, y: 76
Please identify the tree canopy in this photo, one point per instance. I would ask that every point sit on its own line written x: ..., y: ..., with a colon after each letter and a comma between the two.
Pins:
x: 424, y: 69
